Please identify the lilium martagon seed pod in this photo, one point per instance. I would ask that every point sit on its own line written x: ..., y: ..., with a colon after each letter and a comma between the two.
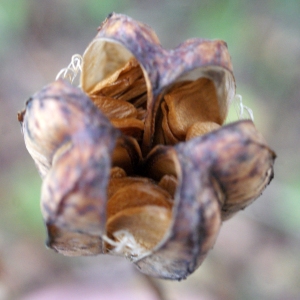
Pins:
x: 137, y: 161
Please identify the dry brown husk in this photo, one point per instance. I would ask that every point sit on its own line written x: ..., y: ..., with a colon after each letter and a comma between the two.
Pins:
x: 138, y: 161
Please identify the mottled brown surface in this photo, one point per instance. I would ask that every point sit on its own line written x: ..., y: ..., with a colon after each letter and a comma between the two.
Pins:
x: 74, y: 159
x: 169, y: 222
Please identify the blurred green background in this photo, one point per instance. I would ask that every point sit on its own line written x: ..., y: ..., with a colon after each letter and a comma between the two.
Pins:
x: 257, y: 254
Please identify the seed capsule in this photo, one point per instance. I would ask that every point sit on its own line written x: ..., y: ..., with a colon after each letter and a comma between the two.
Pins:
x: 138, y: 162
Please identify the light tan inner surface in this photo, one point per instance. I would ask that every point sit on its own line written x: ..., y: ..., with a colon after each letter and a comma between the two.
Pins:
x: 100, y: 60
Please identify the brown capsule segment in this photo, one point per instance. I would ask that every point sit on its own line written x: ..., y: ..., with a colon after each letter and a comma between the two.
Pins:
x: 196, y: 217
x: 208, y: 72
x: 56, y: 115
x: 71, y: 142
x: 238, y: 158
x: 78, y: 203
x: 114, y: 47
x: 213, y: 183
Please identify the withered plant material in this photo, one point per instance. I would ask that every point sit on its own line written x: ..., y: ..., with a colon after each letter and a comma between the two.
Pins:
x: 137, y: 162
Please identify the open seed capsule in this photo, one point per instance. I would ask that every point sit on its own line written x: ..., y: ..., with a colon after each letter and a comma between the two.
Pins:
x: 137, y: 161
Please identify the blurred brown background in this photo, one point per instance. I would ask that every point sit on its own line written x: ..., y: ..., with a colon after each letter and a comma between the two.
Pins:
x: 257, y: 254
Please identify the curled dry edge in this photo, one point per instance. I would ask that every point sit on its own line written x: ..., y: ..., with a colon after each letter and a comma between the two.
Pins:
x: 136, y: 161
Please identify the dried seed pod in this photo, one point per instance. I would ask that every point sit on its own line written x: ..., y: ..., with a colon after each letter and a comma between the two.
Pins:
x: 115, y: 177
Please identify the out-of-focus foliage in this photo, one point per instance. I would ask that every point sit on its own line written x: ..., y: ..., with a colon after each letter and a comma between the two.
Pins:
x: 257, y: 254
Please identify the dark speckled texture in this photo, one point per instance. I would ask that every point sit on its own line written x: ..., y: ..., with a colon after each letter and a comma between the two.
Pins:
x: 72, y: 149
x: 72, y: 143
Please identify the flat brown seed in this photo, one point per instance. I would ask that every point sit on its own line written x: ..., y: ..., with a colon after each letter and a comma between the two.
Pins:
x: 191, y: 103
x: 114, y: 89
x: 162, y: 161
x: 117, y: 172
x: 201, y: 128
x: 137, y: 195
x: 114, y: 109
x: 139, y: 101
x: 117, y: 183
x: 147, y: 224
x: 132, y: 71
x: 130, y: 126
x: 141, y: 114
x: 119, y: 81
x: 137, y: 89
x: 169, y: 183
x: 126, y: 155
x: 169, y: 137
